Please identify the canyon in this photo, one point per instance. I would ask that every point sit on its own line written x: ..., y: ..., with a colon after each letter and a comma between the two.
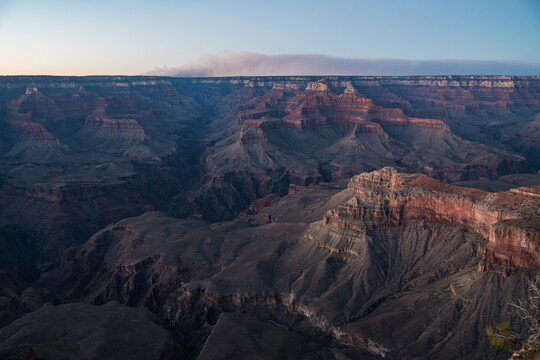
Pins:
x: 304, y: 217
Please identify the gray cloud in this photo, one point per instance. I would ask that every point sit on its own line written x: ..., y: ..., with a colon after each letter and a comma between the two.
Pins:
x: 249, y: 64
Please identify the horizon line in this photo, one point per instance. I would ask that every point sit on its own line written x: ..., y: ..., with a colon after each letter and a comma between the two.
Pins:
x: 269, y: 76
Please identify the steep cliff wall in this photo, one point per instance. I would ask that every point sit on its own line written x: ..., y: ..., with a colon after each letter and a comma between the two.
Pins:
x: 508, y: 221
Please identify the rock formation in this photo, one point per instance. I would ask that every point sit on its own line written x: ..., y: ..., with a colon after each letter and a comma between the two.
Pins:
x: 125, y: 189
x: 386, y: 198
x: 379, y: 247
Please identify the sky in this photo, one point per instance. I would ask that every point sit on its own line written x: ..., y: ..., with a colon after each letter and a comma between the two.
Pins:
x: 249, y: 37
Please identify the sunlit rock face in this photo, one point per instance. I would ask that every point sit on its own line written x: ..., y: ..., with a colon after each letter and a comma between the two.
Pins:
x: 386, y: 198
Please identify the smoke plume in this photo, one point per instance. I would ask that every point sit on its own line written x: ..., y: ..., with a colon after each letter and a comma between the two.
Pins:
x: 255, y: 64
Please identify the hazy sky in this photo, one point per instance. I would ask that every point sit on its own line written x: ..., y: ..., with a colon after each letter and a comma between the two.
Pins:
x: 63, y: 37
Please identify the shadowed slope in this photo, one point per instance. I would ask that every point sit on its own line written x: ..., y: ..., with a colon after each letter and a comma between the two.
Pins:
x: 376, y: 257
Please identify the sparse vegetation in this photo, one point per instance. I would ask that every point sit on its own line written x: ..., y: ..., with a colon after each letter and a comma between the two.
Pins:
x: 503, y: 336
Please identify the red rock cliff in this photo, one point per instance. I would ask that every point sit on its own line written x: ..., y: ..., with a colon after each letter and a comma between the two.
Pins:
x: 509, y: 221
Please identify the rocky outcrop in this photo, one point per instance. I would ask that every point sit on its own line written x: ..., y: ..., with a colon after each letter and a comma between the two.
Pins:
x: 315, y: 107
x: 368, y: 127
x: 266, y: 201
x: 396, y: 117
x: 37, y: 133
x: 113, y: 126
x: 349, y: 89
x: 318, y: 86
x: 533, y: 191
x: 253, y: 131
x: 385, y: 198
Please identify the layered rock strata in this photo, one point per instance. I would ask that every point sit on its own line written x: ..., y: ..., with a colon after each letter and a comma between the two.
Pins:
x: 509, y: 221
